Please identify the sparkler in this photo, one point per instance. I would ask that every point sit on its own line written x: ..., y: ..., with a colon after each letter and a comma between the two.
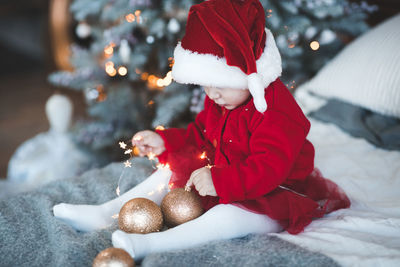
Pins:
x: 128, y: 164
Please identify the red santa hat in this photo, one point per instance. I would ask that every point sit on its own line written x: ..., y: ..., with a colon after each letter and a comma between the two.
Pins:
x: 226, y: 45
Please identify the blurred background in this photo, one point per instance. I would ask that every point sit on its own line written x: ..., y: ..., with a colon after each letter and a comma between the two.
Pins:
x: 27, y: 58
x: 112, y: 59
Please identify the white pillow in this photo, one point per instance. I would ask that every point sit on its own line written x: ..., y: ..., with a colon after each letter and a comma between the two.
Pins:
x: 366, y: 72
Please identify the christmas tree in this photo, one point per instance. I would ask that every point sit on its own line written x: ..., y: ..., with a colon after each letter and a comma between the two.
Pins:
x: 310, y: 32
x: 122, y: 64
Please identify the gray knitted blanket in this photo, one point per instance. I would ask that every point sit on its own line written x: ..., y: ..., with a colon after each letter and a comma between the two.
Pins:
x: 31, y: 236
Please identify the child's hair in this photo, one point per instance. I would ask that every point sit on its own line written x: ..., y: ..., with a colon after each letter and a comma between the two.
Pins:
x: 226, y: 45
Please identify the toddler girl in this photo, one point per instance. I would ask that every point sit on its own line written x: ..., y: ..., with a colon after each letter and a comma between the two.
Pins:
x: 259, y: 175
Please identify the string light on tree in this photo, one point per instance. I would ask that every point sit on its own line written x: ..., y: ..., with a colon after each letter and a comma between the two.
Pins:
x: 144, y: 76
x: 291, y: 85
x: 91, y: 94
x: 122, y: 71
x: 102, y: 94
x: 158, y: 83
x: 138, y: 17
x: 150, y: 103
x: 154, y: 82
x: 314, y: 45
x: 269, y: 13
x: 95, y: 94
x: 130, y: 18
x: 111, y: 72
x: 109, y: 50
x: 134, y: 17
x: 109, y: 66
x: 293, y: 38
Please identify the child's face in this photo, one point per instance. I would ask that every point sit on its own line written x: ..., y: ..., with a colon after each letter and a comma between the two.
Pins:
x: 227, y: 97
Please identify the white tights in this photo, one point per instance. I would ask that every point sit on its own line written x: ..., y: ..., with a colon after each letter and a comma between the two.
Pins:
x: 220, y: 222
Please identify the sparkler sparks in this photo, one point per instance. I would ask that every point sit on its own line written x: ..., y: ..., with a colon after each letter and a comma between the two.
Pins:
x: 122, y: 145
x: 151, y: 156
x: 162, y: 166
x: 128, y: 164
x: 204, y: 156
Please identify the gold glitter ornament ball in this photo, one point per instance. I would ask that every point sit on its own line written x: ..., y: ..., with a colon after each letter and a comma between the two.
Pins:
x: 140, y: 216
x: 115, y: 257
x: 180, y: 206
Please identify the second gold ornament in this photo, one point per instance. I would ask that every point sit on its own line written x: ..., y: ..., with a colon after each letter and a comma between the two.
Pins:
x: 140, y: 216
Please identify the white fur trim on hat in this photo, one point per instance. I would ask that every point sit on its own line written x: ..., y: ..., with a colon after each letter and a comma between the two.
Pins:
x: 209, y: 70
x: 256, y: 89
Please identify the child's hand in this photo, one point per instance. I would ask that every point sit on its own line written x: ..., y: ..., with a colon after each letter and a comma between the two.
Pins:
x: 202, y: 181
x: 148, y: 142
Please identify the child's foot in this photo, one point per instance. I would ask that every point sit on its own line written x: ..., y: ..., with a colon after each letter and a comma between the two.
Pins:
x: 83, y: 217
x: 127, y: 242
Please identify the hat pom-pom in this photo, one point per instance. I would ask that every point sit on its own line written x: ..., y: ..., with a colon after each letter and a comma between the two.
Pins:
x: 256, y: 88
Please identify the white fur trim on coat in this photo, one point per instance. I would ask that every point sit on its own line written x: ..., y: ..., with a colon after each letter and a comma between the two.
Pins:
x: 209, y: 70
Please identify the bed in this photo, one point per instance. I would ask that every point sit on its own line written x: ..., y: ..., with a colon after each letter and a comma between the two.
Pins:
x: 366, y: 234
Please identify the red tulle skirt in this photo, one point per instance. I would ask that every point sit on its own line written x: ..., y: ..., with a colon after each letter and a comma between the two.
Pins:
x: 294, y: 204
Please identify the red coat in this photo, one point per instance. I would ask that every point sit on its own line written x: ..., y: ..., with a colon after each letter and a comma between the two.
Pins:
x: 262, y: 162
